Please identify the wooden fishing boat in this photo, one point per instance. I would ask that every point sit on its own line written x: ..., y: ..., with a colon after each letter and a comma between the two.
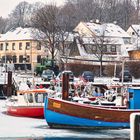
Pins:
x: 28, y: 103
x: 64, y: 113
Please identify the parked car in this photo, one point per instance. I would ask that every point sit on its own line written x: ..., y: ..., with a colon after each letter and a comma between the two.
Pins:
x: 88, y: 76
x: 47, y: 75
x: 127, y: 77
x: 71, y: 75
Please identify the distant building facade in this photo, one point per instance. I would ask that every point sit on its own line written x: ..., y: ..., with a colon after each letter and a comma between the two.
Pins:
x: 18, y: 47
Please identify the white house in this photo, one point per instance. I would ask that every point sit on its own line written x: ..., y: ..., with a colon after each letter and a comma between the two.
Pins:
x: 115, y: 40
x: 134, y: 32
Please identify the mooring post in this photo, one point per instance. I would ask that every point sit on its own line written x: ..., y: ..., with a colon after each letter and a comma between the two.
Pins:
x: 135, y: 126
x: 9, y: 84
x: 65, y: 86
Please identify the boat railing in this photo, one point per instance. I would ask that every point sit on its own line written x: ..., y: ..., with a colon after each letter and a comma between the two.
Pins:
x: 15, y: 84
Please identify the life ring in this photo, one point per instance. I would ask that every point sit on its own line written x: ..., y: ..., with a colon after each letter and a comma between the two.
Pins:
x: 109, y: 95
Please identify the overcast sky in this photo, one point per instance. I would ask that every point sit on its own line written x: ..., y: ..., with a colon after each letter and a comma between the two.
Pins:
x: 6, y: 6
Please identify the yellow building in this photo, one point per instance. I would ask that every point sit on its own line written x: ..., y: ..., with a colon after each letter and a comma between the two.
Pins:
x: 20, y: 48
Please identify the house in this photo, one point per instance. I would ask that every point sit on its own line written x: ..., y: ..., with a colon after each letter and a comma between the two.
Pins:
x: 134, y: 32
x: 111, y: 37
x: 19, y: 47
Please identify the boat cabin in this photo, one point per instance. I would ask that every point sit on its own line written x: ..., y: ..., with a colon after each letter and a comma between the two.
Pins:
x: 134, y: 98
x: 32, y: 97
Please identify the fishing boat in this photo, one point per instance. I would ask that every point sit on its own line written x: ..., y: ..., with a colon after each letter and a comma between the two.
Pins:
x: 64, y: 113
x: 28, y: 103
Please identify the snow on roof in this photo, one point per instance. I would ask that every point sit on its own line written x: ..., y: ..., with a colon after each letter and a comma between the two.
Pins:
x: 107, y: 29
x: 18, y: 34
x: 68, y: 36
x: 136, y: 28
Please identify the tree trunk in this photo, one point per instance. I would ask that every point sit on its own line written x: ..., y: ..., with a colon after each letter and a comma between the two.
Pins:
x: 101, y: 67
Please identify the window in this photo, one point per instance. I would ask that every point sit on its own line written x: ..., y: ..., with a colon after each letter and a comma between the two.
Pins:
x: 6, y: 46
x: 90, y: 48
x: 14, y: 59
x: 27, y: 45
x: 27, y: 58
x: 13, y: 46
x: 126, y: 40
x: 30, y: 98
x: 39, y: 46
x: 39, y: 59
x: 113, y: 48
x: 39, y: 97
x: 104, y: 48
x: 1, y: 46
x: 21, y: 59
x: 20, y: 46
x: 133, y: 33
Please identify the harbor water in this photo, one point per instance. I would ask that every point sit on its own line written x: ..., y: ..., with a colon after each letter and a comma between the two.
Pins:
x: 22, y: 128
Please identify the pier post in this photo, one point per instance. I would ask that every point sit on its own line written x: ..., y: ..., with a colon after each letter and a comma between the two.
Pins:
x: 9, y: 84
x: 135, y: 126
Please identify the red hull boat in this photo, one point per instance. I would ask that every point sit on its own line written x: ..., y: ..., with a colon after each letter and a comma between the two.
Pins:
x: 36, y: 112
x: 28, y: 103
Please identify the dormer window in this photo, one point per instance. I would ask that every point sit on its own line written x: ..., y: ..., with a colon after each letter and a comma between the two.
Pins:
x: 133, y: 33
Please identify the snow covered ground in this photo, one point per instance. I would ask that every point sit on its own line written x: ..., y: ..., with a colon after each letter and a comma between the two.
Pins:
x: 20, y: 127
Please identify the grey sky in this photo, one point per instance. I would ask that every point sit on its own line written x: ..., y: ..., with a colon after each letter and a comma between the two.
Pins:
x: 6, y: 6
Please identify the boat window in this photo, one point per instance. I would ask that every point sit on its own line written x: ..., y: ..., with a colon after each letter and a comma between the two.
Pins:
x: 60, y: 84
x: 40, y: 97
x: 30, y: 98
x: 25, y: 98
x: 130, y: 95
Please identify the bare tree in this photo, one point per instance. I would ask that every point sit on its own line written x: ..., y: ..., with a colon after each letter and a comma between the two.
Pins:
x: 45, y: 20
x: 20, y: 16
x: 53, y: 25
x: 3, y: 24
x: 99, y: 48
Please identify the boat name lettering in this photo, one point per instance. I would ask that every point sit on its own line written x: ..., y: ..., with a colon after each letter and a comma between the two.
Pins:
x: 14, y: 110
x: 56, y: 105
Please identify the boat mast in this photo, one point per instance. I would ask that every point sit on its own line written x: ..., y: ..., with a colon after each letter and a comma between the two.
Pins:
x: 65, y: 86
x: 123, y: 62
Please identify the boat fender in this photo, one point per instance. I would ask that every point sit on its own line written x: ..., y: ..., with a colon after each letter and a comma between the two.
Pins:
x: 125, y: 101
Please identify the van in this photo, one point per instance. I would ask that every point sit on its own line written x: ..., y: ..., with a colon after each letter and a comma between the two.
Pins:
x: 127, y: 77
x: 88, y: 76
x: 47, y: 75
